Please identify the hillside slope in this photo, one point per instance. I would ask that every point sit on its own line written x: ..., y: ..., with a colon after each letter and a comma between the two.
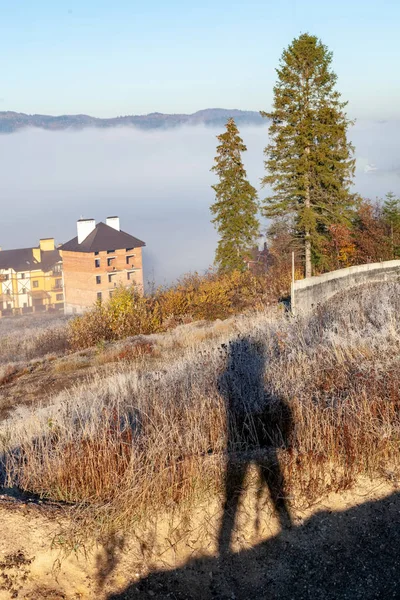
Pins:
x: 139, y: 454
x: 12, y: 121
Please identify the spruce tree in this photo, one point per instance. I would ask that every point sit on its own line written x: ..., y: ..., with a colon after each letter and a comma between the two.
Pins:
x: 236, y: 205
x: 309, y: 160
x: 391, y: 216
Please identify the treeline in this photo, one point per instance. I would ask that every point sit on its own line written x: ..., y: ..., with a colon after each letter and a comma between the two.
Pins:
x: 371, y: 234
x: 310, y: 169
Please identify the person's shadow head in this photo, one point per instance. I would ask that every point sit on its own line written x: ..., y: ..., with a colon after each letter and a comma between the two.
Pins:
x: 258, y: 422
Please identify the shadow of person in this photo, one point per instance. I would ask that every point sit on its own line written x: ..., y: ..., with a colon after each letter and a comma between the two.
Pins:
x: 258, y: 424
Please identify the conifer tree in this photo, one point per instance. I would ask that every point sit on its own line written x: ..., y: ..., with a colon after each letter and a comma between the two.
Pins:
x: 236, y: 205
x: 391, y: 215
x: 309, y: 160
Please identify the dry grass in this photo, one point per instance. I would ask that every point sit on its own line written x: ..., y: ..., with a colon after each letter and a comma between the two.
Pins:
x: 71, y: 365
x: 7, y: 373
x: 153, y: 435
x: 193, y: 298
x: 33, y: 336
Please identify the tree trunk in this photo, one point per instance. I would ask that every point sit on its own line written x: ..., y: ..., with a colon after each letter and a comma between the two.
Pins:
x: 308, y: 255
x: 392, y: 236
x: 307, y: 236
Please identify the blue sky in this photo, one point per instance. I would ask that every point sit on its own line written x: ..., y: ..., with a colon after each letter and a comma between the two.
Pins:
x: 110, y: 58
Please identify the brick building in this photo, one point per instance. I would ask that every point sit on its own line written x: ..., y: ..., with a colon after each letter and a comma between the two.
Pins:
x: 100, y: 258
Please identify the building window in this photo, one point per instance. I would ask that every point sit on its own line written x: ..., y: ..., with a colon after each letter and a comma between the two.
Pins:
x: 96, y: 253
x: 59, y: 297
x: 110, y: 279
x: 35, y: 284
x: 129, y: 250
x: 129, y: 259
x: 110, y: 262
x: 98, y: 279
x: 111, y: 293
x: 23, y: 291
x: 58, y: 283
x: 99, y: 296
x: 8, y: 292
x: 110, y: 251
x: 22, y: 276
x: 97, y: 263
x: 5, y: 277
x: 130, y: 275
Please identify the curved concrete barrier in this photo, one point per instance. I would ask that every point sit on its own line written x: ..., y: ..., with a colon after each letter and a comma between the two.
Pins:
x: 307, y: 294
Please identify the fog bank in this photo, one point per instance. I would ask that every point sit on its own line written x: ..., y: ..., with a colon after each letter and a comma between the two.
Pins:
x: 158, y: 182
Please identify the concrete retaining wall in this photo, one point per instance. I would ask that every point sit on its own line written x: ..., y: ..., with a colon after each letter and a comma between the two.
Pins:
x: 307, y: 294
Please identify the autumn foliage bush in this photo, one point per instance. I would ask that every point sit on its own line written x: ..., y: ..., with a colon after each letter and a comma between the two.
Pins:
x: 371, y: 234
x: 194, y: 297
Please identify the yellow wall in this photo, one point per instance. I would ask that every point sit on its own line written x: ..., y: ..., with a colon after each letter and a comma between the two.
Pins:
x: 15, y: 287
x: 47, y: 244
x: 51, y: 282
x: 47, y: 283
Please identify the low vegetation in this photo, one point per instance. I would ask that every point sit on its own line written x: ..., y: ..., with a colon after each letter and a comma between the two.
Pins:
x: 194, y: 298
x: 30, y: 337
x: 153, y: 436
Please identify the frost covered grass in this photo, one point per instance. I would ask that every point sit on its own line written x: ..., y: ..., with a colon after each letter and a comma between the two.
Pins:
x: 33, y: 336
x: 154, y: 435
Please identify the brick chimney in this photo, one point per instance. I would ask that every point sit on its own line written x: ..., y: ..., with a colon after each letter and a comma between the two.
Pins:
x: 85, y: 227
x: 113, y: 222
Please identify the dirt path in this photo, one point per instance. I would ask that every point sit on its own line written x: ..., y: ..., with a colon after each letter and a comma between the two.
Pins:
x: 337, y: 541
x: 352, y: 554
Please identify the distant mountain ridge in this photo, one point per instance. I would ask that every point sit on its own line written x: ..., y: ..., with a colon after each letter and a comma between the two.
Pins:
x: 13, y: 121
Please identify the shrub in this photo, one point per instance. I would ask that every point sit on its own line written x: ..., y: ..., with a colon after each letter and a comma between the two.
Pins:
x: 129, y: 313
x: 195, y: 297
x: 89, y: 329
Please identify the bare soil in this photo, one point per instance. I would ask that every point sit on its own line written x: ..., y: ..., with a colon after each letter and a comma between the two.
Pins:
x: 346, y: 546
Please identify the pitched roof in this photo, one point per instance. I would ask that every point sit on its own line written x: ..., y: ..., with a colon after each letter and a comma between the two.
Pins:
x: 49, y: 259
x: 22, y: 259
x: 103, y: 237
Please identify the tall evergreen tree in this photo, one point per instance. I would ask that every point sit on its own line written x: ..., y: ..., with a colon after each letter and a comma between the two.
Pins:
x: 391, y: 216
x: 309, y: 160
x: 236, y: 205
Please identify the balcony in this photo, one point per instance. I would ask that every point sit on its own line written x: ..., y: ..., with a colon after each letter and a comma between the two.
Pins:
x: 57, y: 288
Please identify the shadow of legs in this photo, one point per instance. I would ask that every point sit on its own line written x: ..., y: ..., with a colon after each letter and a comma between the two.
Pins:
x: 234, y: 478
x: 272, y: 475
